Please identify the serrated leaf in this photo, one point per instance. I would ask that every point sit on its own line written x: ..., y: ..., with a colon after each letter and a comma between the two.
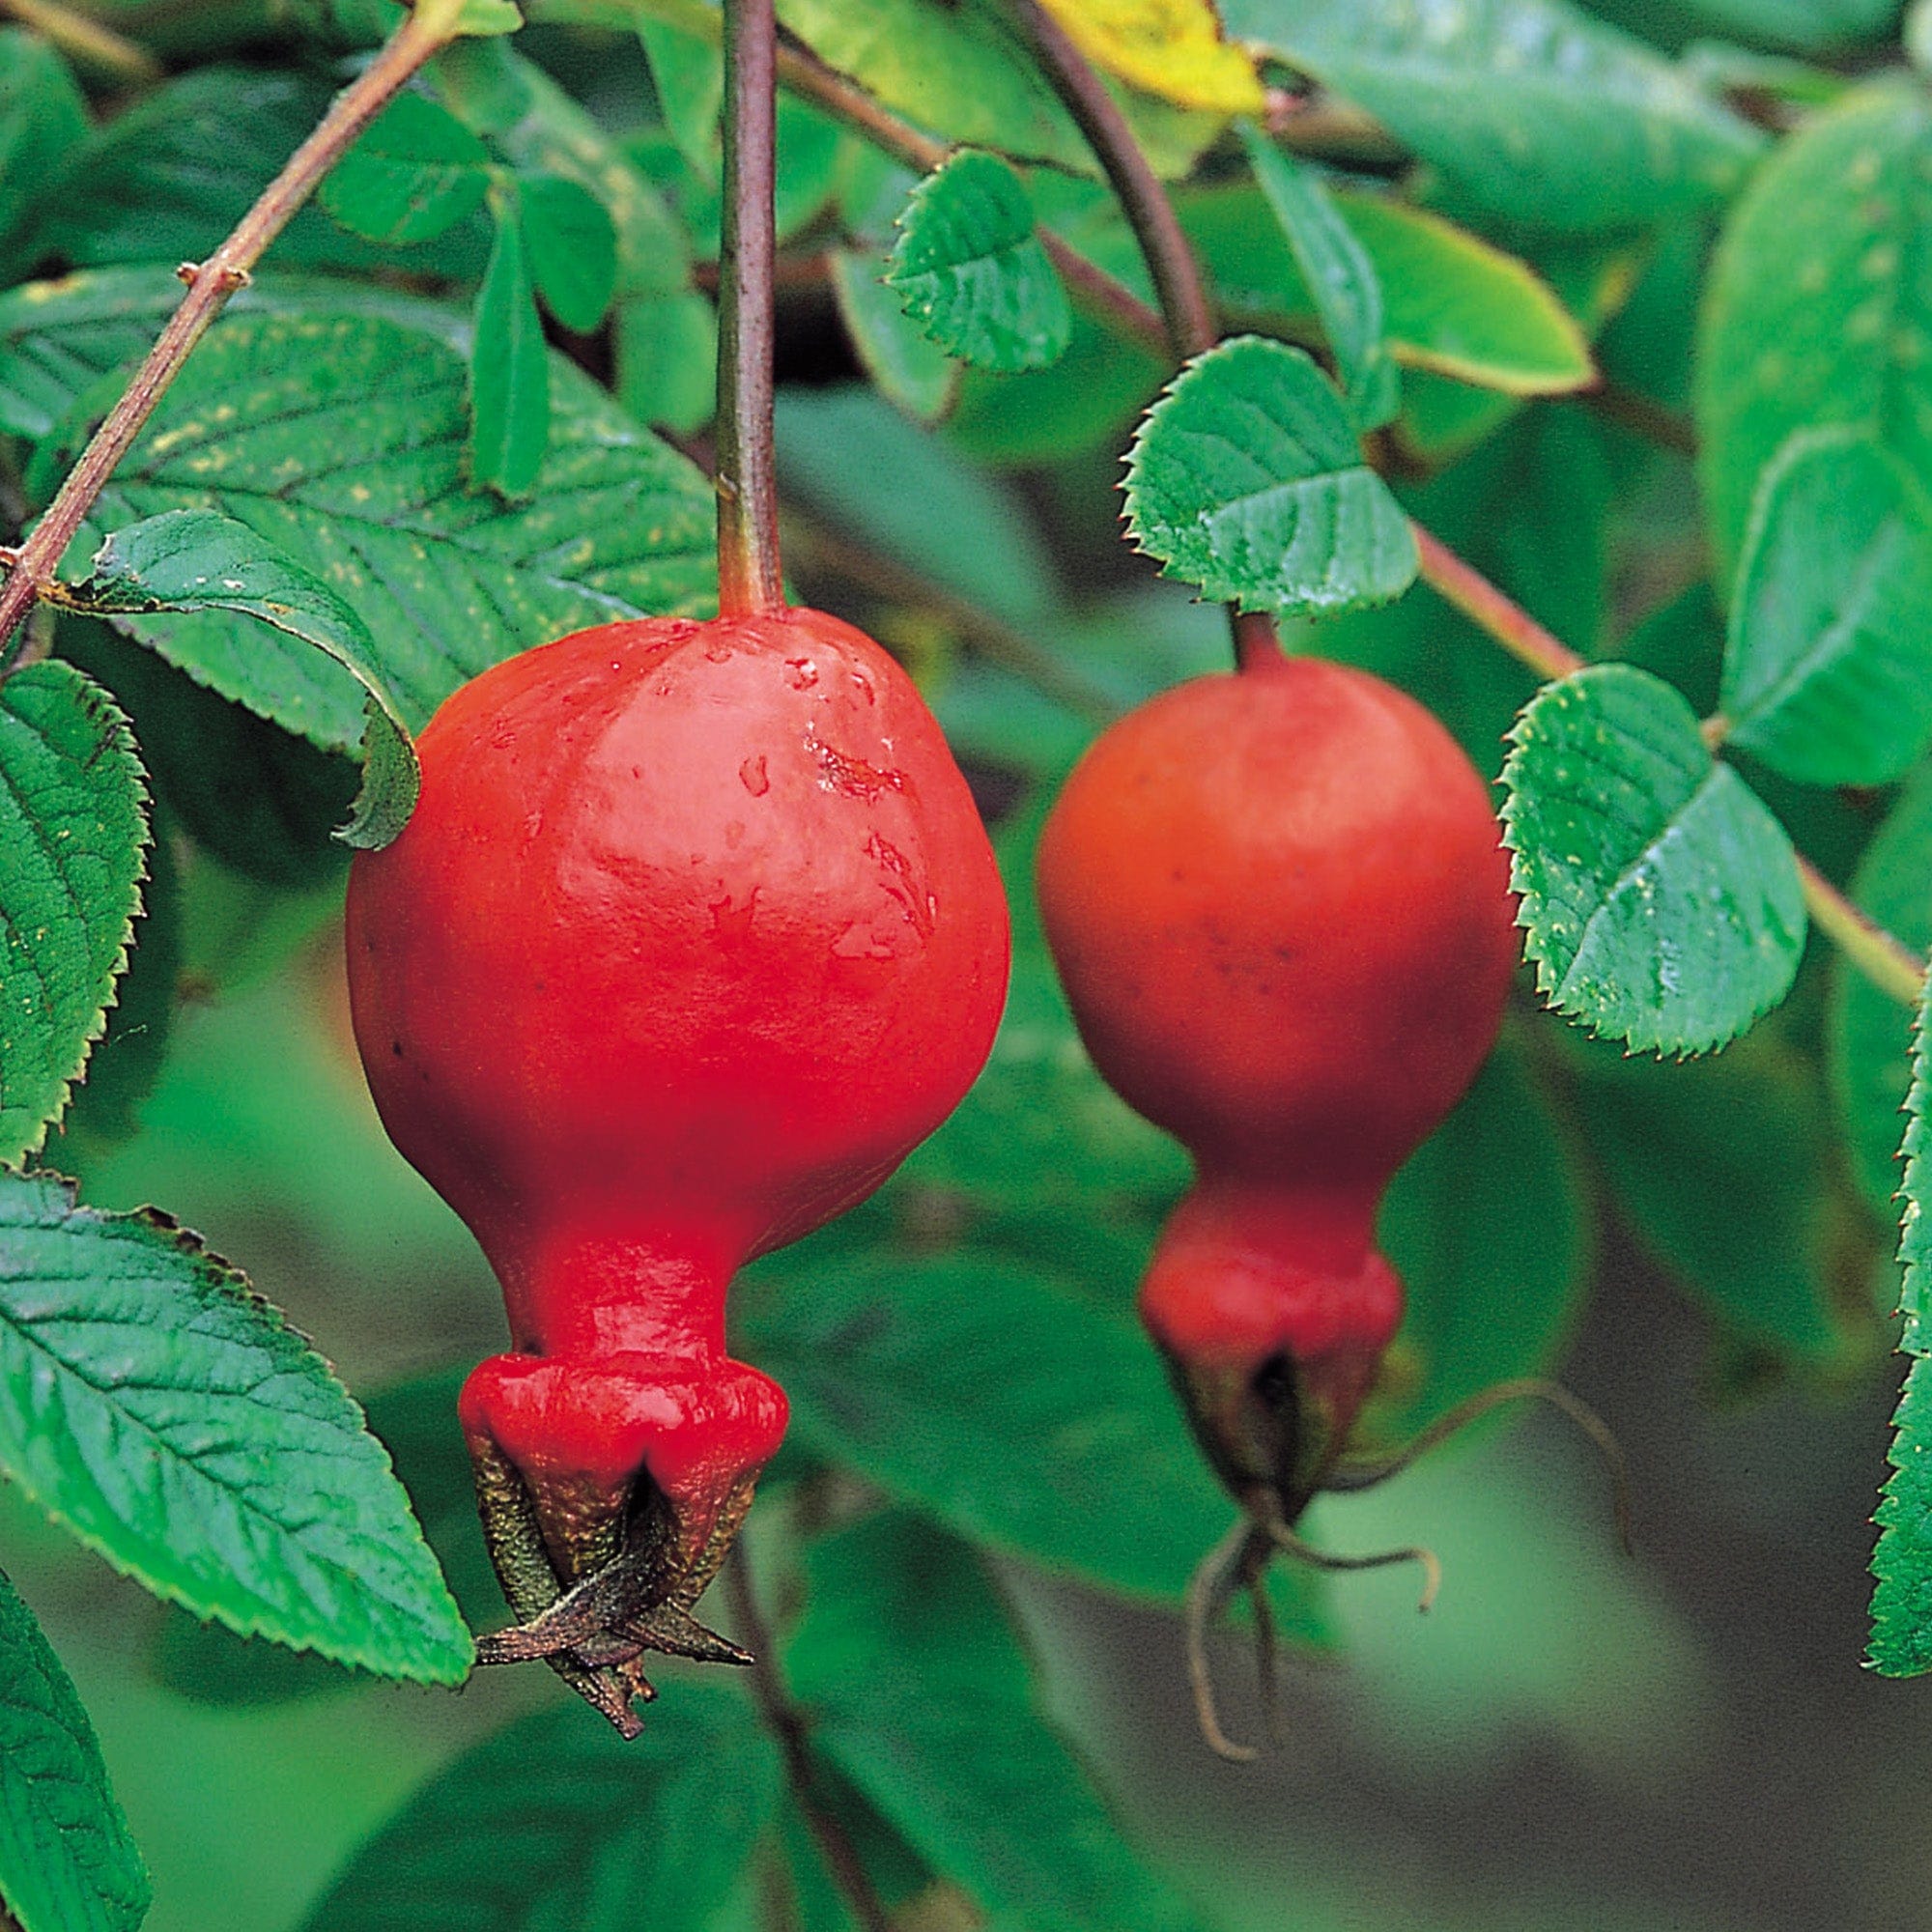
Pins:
x: 43, y: 120
x: 558, y: 1822
x: 1529, y: 107
x: 972, y: 272
x: 1339, y: 276
x: 1901, y: 1609
x: 72, y: 832
x: 1063, y: 1447
x: 1170, y: 47
x: 921, y: 1695
x: 961, y: 71
x: 1660, y: 899
x: 1869, y: 1037
x: 1247, y: 480
x: 1828, y: 667
x: 199, y: 559
x: 573, y: 248
x: 1816, y: 310
x: 68, y: 1862
x: 171, y: 1419
x: 414, y: 172
x: 331, y: 419
x: 509, y: 368
x: 906, y: 366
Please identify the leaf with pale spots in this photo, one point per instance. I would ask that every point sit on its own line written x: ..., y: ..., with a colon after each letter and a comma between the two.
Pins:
x: 331, y: 421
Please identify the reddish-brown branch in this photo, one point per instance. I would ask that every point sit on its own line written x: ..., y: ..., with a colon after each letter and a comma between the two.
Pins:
x: 750, y: 582
x: 211, y: 283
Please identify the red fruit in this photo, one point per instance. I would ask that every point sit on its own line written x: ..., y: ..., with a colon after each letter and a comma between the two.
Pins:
x: 1280, y: 907
x: 693, y: 934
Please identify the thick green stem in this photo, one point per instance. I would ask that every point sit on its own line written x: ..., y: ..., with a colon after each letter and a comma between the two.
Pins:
x: 750, y: 582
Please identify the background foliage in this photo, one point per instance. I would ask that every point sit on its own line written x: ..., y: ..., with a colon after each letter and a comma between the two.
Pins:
x: 1623, y: 300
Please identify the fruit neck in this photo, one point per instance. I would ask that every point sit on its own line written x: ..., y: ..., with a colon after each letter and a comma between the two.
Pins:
x: 1247, y: 1268
x: 589, y: 1295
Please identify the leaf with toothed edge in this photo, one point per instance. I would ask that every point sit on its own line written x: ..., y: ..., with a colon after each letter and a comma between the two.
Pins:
x: 1659, y: 898
x: 169, y: 1416
x: 1901, y: 1563
x: 1246, y: 479
x: 198, y: 560
x: 68, y: 1862
x: 72, y: 835
x: 970, y: 271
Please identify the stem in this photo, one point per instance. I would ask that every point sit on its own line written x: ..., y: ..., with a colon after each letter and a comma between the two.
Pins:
x: 1885, y: 961
x: 748, y: 580
x: 88, y: 41
x: 786, y: 1723
x: 1177, y: 278
x: 430, y: 27
x: 1184, y: 308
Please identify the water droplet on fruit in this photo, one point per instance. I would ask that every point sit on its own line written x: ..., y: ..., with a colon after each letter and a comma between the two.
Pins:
x: 751, y: 775
x: 801, y: 673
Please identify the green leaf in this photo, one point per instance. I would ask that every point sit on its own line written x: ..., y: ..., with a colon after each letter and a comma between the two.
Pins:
x: 960, y: 72
x: 510, y: 371
x: 904, y: 364
x: 1900, y: 1644
x: 68, y: 1862
x: 1529, y: 107
x: 1338, y: 273
x: 331, y: 420
x: 1817, y: 310
x: 1246, y: 479
x: 71, y: 836
x: 171, y: 1419
x: 972, y: 272
x: 167, y: 179
x: 489, y: 16
x: 43, y: 120
x: 1744, y: 1128
x: 557, y: 1822
x: 1827, y: 669
x: 414, y: 171
x: 1660, y: 898
x: 1062, y: 1446
x: 687, y: 72
x: 1453, y: 302
x: 1489, y: 1227
x: 573, y: 248
x: 199, y: 559
x: 1901, y: 1609
x: 922, y: 1697
x: 667, y: 350
x: 1868, y: 1036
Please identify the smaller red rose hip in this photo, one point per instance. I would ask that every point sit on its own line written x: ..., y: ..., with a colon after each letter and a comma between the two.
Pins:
x: 693, y: 934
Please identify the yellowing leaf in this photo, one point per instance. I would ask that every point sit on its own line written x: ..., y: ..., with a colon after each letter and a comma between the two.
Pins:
x: 1170, y: 47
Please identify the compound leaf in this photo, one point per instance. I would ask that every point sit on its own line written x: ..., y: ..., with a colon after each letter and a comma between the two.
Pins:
x: 970, y: 271
x: 155, y: 1405
x: 1247, y: 480
x: 573, y: 248
x: 1661, y: 898
x: 509, y: 369
x: 72, y: 831
x: 1828, y: 668
x: 415, y: 171
x: 67, y: 1863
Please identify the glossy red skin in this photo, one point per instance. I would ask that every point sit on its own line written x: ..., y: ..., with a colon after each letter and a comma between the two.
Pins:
x: 693, y: 934
x: 1280, y: 907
